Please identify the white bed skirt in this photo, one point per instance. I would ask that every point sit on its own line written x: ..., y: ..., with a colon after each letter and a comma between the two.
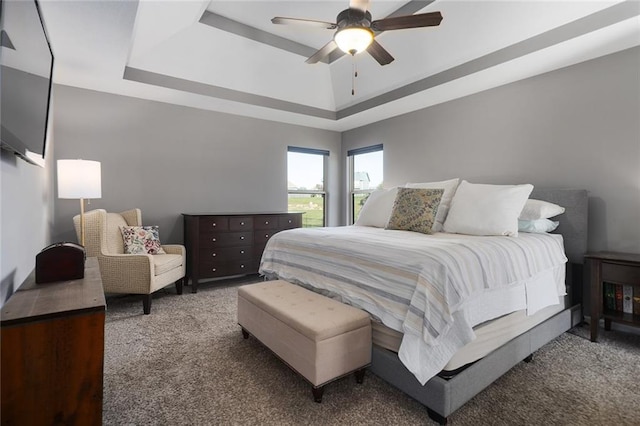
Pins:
x: 525, y: 297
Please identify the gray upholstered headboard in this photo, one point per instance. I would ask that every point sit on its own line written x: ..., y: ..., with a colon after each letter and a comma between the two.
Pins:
x: 573, y: 222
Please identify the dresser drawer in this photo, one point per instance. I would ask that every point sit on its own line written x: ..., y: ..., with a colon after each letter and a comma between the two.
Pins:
x: 241, y: 223
x: 214, y: 223
x: 620, y: 274
x: 226, y: 253
x: 260, y: 238
x: 266, y: 222
x: 290, y: 221
x: 226, y: 268
x: 226, y: 239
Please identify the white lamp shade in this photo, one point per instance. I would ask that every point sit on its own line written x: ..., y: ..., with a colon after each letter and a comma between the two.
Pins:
x: 353, y: 39
x: 79, y: 179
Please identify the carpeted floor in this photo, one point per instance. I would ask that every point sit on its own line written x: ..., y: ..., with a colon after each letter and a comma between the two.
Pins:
x: 187, y: 364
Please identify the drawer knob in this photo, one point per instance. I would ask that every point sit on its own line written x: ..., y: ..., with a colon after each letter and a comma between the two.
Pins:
x: 266, y: 222
x: 266, y: 235
x: 289, y: 220
x: 214, y: 255
x: 241, y: 266
x: 241, y: 223
x: 242, y: 237
x: 241, y: 251
x: 213, y: 224
x: 214, y: 269
x: 213, y: 239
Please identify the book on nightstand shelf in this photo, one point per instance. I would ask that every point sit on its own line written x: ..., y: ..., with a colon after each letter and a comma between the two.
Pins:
x: 627, y: 299
x: 618, y: 293
x: 609, y: 296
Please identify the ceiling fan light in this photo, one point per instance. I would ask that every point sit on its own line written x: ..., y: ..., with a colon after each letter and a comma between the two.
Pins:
x: 353, y: 40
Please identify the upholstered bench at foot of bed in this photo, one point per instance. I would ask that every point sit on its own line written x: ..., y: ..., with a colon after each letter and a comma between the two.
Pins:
x: 318, y: 337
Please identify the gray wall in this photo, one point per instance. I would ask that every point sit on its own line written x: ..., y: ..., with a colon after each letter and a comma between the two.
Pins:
x: 26, y: 213
x: 576, y: 127
x: 168, y: 159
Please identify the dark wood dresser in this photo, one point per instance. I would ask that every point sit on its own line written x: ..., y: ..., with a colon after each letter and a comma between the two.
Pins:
x: 226, y: 244
x: 53, y: 352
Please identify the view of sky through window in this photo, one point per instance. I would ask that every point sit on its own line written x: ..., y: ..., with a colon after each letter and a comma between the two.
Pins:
x: 368, y: 166
x: 305, y: 171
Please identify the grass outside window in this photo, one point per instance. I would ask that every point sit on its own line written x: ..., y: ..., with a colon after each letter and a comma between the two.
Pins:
x: 313, y: 207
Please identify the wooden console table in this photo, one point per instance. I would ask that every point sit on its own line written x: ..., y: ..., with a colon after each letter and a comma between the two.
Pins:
x: 52, y: 352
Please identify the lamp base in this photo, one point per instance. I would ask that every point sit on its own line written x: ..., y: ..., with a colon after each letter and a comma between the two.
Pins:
x: 82, y: 222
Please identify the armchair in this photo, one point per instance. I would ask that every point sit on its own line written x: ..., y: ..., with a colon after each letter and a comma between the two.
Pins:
x: 129, y: 273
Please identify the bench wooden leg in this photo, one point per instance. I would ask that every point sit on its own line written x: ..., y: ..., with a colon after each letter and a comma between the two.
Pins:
x: 245, y: 333
x: 317, y: 393
x: 360, y: 375
x: 179, y: 284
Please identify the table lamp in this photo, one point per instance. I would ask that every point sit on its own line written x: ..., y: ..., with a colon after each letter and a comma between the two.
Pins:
x: 79, y: 179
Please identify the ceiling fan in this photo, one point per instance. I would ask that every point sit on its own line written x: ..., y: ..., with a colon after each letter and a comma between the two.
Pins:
x: 356, y: 30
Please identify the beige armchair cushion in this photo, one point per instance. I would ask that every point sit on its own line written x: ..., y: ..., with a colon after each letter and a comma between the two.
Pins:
x: 115, y: 243
x: 163, y: 263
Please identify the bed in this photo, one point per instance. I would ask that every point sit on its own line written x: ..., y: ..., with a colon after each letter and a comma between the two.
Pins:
x: 439, y: 345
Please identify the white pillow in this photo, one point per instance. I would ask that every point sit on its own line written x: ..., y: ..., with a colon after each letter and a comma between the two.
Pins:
x: 538, y: 226
x: 480, y: 209
x: 377, y: 209
x: 449, y: 187
x: 538, y: 209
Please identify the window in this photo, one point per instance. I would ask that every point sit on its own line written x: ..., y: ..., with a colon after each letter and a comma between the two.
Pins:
x: 306, y: 184
x: 366, y: 172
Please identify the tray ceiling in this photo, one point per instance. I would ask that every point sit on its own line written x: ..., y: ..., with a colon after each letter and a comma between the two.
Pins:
x: 227, y: 56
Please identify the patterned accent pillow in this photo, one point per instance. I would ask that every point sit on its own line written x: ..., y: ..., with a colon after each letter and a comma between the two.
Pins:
x: 141, y: 240
x: 415, y: 209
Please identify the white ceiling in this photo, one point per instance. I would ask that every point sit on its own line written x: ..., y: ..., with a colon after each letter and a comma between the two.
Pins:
x: 227, y: 56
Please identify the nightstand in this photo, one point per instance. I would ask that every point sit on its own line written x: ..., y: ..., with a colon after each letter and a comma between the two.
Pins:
x: 617, y: 270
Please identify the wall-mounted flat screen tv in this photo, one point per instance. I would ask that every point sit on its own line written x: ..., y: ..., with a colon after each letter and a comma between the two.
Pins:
x: 26, y: 62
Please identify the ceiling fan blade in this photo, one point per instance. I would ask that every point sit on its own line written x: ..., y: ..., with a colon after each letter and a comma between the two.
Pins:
x: 430, y: 19
x: 324, y: 51
x: 379, y: 53
x: 307, y: 22
x: 359, y: 4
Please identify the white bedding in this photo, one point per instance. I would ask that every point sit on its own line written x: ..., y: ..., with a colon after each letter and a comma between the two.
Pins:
x: 420, y: 285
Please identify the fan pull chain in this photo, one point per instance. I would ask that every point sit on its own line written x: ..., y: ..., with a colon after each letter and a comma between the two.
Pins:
x: 354, y: 68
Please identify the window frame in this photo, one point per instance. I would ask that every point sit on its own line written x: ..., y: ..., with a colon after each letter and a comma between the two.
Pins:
x: 352, y: 192
x: 325, y: 169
